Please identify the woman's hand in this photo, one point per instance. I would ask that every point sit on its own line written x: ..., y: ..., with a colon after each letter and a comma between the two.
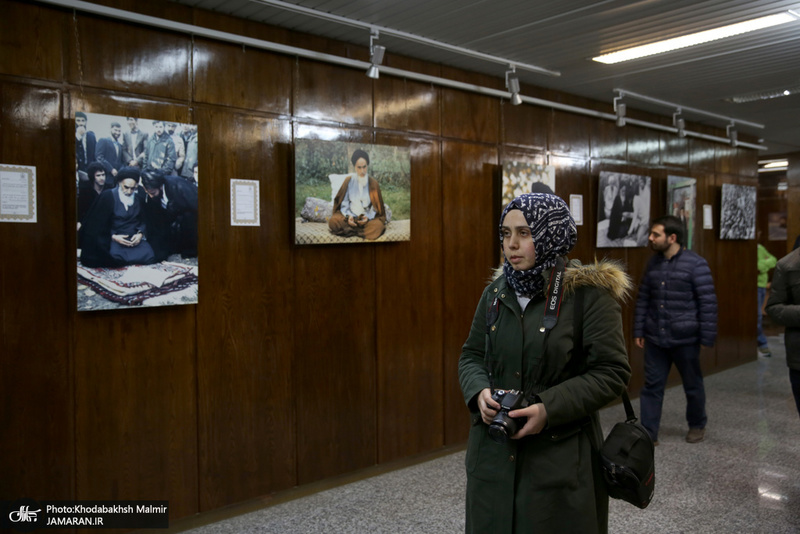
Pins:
x: 487, y: 406
x: 537, y: 419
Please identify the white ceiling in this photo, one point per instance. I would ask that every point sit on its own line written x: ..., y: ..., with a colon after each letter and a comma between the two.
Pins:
x: 561, y: 35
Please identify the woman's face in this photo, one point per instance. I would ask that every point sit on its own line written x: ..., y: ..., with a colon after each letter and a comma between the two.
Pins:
x: 518, y: 242
x: 361, y: 167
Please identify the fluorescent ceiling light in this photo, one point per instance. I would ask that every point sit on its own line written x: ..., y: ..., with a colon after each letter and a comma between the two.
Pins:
x: 695, y: 38
x: 763, y: 95
x: 780, y: 163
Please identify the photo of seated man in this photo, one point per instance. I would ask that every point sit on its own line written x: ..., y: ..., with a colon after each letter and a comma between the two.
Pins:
x: 358, y: 206
x: 137, y: 218
x: 113, y: 231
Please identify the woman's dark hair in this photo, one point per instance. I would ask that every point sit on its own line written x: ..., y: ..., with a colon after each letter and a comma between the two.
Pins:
x: 92, y: 169
x: 358, y: 154
x: 152, y: 179
x: 672, y: 225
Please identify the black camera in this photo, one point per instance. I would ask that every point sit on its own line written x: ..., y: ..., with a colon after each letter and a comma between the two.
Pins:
x: 502, y: 426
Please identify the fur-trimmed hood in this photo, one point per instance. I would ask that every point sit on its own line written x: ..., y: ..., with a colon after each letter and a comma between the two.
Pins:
x: 606, y: 274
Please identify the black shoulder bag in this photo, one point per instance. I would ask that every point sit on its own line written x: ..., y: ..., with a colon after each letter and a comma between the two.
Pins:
x: 628, y: 453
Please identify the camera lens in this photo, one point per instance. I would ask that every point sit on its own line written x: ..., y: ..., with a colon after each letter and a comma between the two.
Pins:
x: 502, y: 428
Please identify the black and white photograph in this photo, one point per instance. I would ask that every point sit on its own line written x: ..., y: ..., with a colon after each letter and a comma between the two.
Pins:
x: 681, y: 202
x: 351, y: 193
x: 623, y: 211
x: 737, y: 219
x: 137, y: 211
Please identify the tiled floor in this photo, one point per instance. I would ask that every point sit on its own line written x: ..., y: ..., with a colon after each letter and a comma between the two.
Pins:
x: 744, y: 478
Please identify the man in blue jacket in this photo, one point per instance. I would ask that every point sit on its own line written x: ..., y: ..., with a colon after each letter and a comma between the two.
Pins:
x: 676, y: 312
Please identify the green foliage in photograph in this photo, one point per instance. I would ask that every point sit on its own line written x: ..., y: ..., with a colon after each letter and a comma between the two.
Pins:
x: 390, y: 166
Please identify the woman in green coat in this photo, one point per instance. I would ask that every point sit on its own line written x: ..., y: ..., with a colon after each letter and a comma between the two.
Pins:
x: 546, y: 477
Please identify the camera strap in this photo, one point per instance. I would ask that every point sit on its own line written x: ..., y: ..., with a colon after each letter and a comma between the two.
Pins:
x: 552, y: 307
x: 492, y: 313
x: 555, y: 292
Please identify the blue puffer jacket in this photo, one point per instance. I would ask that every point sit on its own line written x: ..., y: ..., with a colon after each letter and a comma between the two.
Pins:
x: 677, y: 304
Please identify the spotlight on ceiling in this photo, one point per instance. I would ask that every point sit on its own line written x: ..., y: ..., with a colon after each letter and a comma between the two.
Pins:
x: 376, y: 53
x: 733, y: 135
x: 512, y: 84
x: 679, y: 123
x: 621, y: 110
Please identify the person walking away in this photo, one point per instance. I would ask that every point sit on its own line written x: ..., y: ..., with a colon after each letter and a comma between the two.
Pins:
x: 676, y: 313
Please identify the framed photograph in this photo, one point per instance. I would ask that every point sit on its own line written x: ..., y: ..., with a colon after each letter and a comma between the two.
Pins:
x: 623, y: 210
x: 738, y: 216
x: 351, y: 193
x: 137, y: 212
x: 776, y: 224
x: 520, y: 177
x: 681, y: 202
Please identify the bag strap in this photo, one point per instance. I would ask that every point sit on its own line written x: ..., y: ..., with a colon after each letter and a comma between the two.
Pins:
x: 579, y: 354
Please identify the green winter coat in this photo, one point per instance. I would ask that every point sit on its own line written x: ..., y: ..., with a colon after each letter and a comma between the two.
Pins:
x: 549, y: 482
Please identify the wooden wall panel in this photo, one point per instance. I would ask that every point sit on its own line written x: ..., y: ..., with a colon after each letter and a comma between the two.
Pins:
x: 470, y: 251
x: 231, y: 75
x: 33, y: 38
x: 136, y: 407
x: 409, y: 282
x: 330, y: 93
x: 405, y: 105
x: 573, y: 178
x: 36, y: 413
x: 702, y: 155
x: 674, y: 150
x: 335, y: 349
x: 470, y: 116
x: 609, y: 141
x: 247, y: 422
x: 570, y: 134
x: 152, y: 62
x: 299, y: 362
x: 525, y: 125
x: 644, y: 145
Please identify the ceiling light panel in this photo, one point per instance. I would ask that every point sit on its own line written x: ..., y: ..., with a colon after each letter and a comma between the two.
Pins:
x: 685, y: 41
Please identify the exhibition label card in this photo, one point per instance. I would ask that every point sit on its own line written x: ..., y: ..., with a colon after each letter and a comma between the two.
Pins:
x: 244, y: 203
x: 17, y: 193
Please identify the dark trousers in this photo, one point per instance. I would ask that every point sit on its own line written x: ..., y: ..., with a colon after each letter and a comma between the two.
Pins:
x: 794, y: 378
x: 762, y: 339
x: 657, y: 363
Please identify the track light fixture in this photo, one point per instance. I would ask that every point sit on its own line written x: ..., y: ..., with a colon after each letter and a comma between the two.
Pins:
x: 512, y: 84
x: 376, y: 53
x: 679, y: 123
x: 620, y: 109
x: 733, y: 135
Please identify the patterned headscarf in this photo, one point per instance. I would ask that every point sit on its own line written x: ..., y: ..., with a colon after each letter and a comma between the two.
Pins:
x: 554, y: 234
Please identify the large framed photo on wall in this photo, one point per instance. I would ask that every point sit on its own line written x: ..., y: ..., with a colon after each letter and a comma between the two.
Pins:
x: 137, y: 212
x: 351, y: 193
x: 681, y: 202
x: 623, y: 210
x: 738, y: 214
x: 521, y: 177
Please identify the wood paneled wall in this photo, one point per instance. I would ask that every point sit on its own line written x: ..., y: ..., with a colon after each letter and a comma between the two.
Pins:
x: 267, y: 383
